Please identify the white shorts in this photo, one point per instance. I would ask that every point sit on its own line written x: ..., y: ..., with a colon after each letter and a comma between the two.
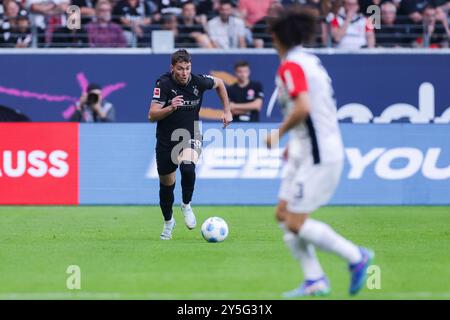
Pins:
x: 306, y: 187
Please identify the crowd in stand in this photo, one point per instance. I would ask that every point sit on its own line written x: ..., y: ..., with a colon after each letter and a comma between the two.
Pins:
x: 223, y: 24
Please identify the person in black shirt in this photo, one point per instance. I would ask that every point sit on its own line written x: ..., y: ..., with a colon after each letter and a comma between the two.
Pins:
x: 432, y: 32
x: 191, y: 32
x: 246, y: 96
x: 133, y: 16
x: 177, y: 99
x: 392, y: 33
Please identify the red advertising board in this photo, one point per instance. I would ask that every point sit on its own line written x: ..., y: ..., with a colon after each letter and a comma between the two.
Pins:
x: 39, y: 163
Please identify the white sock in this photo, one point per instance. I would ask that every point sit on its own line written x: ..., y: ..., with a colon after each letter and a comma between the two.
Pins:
x: 305, y: 252
x: 185, y: 205
x: 324, y: 237
x: 168, y: 222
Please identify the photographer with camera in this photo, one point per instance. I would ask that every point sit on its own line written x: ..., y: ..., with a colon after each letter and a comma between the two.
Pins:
x: 92, y: 107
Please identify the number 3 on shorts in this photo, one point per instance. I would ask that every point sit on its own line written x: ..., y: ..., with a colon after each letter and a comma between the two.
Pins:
x: 299, y: 191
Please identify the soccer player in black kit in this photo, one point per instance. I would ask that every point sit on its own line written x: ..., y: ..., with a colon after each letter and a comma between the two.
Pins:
x: 176, y: 103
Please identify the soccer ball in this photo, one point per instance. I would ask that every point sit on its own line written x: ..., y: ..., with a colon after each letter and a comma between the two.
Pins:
x: 214, y: 229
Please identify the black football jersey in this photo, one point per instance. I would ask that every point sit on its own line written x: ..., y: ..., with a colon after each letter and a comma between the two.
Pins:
x: 185, y: 116
x: 246, y: 94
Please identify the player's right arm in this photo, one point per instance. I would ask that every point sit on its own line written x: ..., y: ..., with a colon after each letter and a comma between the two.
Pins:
x: 157, y: 112
x: 161, y: 107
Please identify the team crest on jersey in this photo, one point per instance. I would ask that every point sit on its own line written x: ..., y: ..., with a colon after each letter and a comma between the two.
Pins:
x: 250, y: 94
x: 195, y: 91
x: 157, y: 93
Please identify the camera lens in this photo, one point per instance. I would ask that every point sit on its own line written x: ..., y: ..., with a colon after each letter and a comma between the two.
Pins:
x: 92, y: 98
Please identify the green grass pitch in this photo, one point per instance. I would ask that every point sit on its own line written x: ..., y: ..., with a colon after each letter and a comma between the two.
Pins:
x: 121, y: 256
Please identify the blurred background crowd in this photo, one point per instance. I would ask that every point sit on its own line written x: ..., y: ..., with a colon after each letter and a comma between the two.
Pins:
x: 221, y: 24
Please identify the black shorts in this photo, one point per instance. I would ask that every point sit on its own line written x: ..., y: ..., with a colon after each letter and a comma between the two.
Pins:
x: 164, y: 162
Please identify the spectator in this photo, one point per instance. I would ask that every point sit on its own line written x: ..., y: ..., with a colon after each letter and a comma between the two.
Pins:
x: 15, y: 31
x: 103, y: 32
x: 133, y: 15
x: 328, y: 10
x: 261, y: 36
x: 391, y: 33
x: 246, y: 96
x: 92, y: 108
x: 434, y: 35
x: 351, y: 30
x: 191, y: 31
x: 252, y: 11
x: 50, y: 15
x: 413, y: 9
x: 227, y: 31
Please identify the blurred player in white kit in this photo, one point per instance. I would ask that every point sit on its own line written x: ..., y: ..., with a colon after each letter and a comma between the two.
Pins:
x: 315, y: 156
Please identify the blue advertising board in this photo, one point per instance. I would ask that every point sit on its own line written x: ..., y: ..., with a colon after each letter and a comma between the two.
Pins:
x: 391, y: 164
x: 380, y: 88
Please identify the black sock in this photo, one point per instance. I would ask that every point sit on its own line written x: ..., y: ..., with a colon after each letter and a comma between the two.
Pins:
x: 187, y: 180
x: 166, y: 200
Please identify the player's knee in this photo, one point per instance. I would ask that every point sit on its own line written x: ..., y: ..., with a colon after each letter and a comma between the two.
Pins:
x: 295, y: 222
x: 166, y: 188
x: 168, y: 179
x: 187, y: 168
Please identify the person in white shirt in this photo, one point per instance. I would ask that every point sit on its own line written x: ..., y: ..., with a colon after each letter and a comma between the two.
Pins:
x: 315, y: 155
x: 227, y: 31
x: 351, y: 29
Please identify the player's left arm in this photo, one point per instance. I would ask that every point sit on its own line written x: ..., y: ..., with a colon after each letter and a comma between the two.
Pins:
x: 221, y: 90
x: 298, y: 114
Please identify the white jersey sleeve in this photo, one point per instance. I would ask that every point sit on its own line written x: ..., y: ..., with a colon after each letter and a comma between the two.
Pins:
x: 318, y: 136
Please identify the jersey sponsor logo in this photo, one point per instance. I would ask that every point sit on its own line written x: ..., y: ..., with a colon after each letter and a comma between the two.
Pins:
x: 157, y: 93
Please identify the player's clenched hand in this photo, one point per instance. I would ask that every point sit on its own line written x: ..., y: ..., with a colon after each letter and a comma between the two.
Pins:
x: 272, y: 139
x: 227, y: 118
x: 177, y: 102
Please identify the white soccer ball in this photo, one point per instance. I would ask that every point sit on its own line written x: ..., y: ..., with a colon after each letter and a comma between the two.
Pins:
x: 214, y: 229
